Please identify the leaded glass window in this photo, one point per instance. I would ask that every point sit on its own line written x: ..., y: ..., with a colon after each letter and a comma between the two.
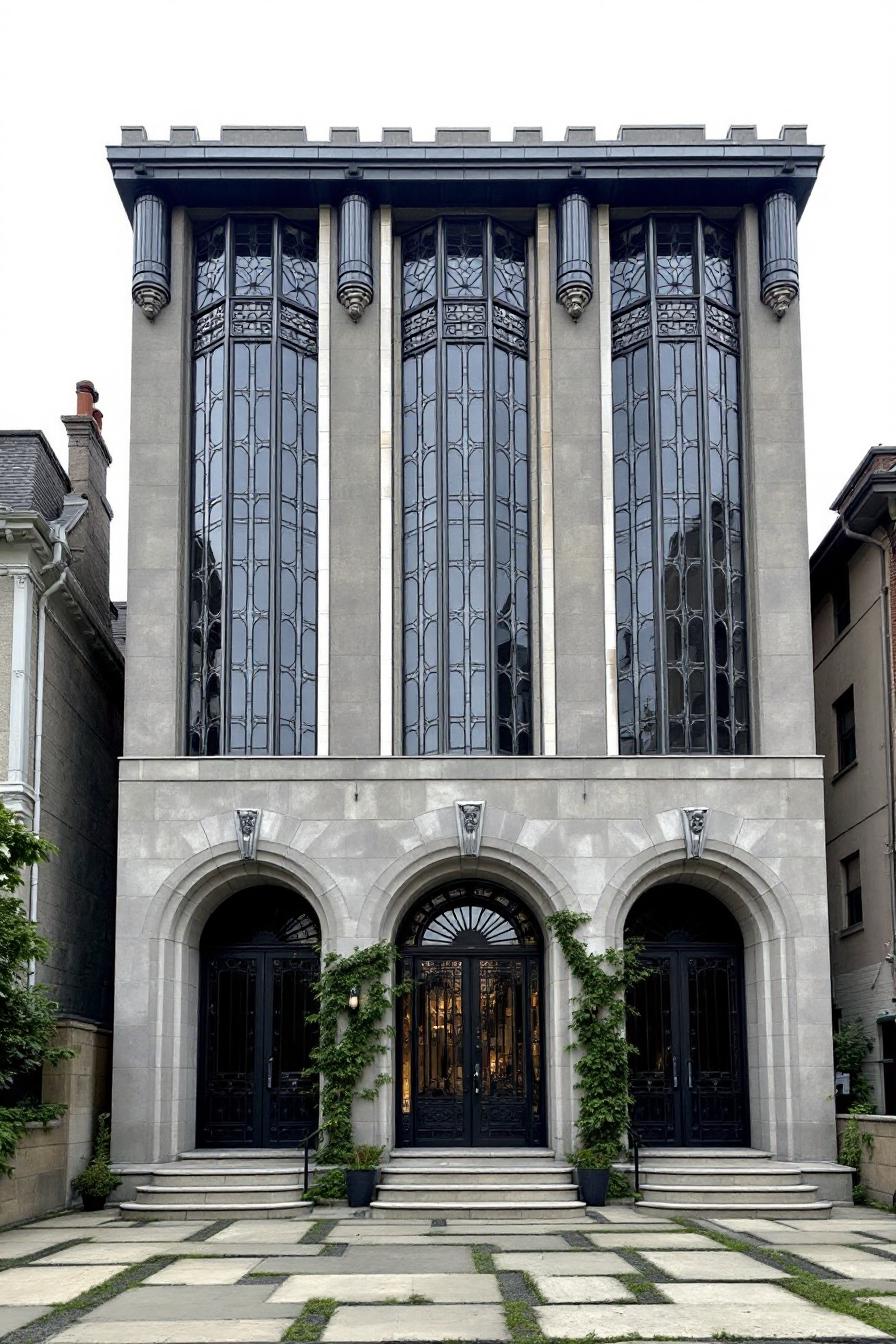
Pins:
x: 680, y: 605
x: 465, y: 498
x: 253, y: 564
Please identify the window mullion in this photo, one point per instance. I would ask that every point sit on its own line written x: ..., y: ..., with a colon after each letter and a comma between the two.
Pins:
x: 227, y: 494
x: 703, y: 451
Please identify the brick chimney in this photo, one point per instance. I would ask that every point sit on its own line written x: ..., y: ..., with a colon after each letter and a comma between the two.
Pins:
x: 88, y: 461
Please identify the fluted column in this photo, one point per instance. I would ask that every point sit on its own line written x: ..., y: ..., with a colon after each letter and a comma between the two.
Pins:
x: 355, y: 278
x: 152, y: 250
x: 780, y: 276
x: 575, y: 284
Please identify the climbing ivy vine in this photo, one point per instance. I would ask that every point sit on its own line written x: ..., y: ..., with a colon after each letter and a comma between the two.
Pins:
x: 351, y: 1040
x: 598, y: 1029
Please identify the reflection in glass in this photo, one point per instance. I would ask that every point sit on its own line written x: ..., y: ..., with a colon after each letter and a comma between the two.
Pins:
x: 465, y: 490
x: 681, y: 620
x: 253, y: 599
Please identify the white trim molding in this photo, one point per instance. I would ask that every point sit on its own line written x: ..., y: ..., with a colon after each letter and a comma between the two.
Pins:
x: 323, y: 485
x: 387, y: 513
x: 545, y: 433
x: 606, y: 446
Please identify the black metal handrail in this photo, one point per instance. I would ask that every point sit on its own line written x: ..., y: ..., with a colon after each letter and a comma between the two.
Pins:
x: 306, y: 1146
x: 634, y: 1143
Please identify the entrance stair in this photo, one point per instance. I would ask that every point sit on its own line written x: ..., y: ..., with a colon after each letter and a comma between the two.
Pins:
x: 207, y: 1184
x: 489, y: 1183
x: 731, y: 1183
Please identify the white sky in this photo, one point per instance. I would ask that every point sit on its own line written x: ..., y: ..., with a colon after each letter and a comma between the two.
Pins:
x: 71, y: 74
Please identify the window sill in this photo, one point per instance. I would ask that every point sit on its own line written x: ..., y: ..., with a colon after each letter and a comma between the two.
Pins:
x: 851, y: 929
x: 845, y: 771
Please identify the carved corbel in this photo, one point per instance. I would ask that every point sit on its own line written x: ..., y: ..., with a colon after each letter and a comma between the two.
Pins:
x: 575, y: 283
x: 248, y: 824
x: 354, y: 287
x: 469, y: 828
x: 151, y: 288
x: 780, y: 277
x: 694, y: 825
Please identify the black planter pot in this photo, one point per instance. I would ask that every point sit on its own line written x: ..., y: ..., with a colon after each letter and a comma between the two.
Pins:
x: 592, y: 1185
x: 360, y: 1186
x: 93, y: 1203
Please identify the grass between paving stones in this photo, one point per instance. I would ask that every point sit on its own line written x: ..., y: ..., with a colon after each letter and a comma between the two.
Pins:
x: 318, y: 1231
x: 483, y: 1259
x: 847, y: 1301
x: 644, y: 1290
x: 204, y: 1233
x: 522, y: 1323
x: 19, y: 1261
x: 65, y: 1314
x: 766, y: 1255
x: 310, y: 1324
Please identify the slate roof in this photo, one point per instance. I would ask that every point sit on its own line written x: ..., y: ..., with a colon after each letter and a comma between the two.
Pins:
x: 31, y: 477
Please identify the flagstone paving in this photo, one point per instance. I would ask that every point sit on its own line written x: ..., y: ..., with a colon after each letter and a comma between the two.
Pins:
x: 618, y: 1273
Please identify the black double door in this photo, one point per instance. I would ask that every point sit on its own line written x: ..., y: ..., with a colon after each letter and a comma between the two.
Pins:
x: 471, y: 1052
x: 255, y: 1044
x: 688, y: 1075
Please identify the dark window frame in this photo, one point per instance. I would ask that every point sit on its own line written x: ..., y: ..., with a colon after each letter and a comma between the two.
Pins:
x: 682, y: 642
x: 840, y: 601
x: 466, y: 654
x: 845, y: 730
x: 852, y: 896
x: 253, y: 566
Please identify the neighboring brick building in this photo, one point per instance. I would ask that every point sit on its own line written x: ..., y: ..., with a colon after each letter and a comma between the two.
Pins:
x: 61, y: 693
x: 853, y: 619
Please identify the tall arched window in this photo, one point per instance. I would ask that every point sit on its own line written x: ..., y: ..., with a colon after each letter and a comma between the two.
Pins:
x: 680, y: 608
x: 253, y: 579
x: 465, y: 504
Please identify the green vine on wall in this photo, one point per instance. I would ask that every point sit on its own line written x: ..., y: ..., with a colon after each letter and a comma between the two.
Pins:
x: 598, y: 1028
x: 351, y: 1040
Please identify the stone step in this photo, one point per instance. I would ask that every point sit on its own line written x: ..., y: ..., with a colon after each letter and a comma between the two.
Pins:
x: 474, y: 1194
x: 269, y: 1156
x: 218, y: 1194
x: 492, y: 1212
x: 141, y: 1211
x: 739, y: 1155
x: 184, y: 1177
x: 709, y: 1176
x: 477, y: 1156
x: 701, y: 1209
x: 710, y: 1195
x: 399, y: 1175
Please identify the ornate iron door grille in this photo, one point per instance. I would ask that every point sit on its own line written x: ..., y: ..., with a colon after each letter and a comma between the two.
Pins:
x: 688, y: 1079
x: 255, y: 1046
x: 470, y: 1033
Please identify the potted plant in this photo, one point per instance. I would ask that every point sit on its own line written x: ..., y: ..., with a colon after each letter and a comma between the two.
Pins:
x: 593, y: 1172
x: 362, y: 1174
x: 97, y: 1180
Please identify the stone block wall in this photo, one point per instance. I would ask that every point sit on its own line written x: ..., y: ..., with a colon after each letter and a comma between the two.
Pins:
x: 878, y: 1171
x: 48, y: 1158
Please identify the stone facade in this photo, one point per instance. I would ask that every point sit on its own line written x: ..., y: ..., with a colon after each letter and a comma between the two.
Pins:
x: 359, y: 830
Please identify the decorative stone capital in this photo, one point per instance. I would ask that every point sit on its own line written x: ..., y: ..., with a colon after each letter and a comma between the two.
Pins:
x: 694, y: 826
x: 575, y: 283
x: 469, y: 827
x: 150, y: 299
x: 151, y: 287
x: 354, y: 299
x: 354, y: 286
x: 780, y: 297
x: 247, y: 821
x: 575, y: 299
x: 780, y: 276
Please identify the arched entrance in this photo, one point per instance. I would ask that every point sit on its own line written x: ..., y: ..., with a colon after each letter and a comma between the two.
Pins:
x: 470, y: 1032
x: 688, y: 1076
x: 260, y: 956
